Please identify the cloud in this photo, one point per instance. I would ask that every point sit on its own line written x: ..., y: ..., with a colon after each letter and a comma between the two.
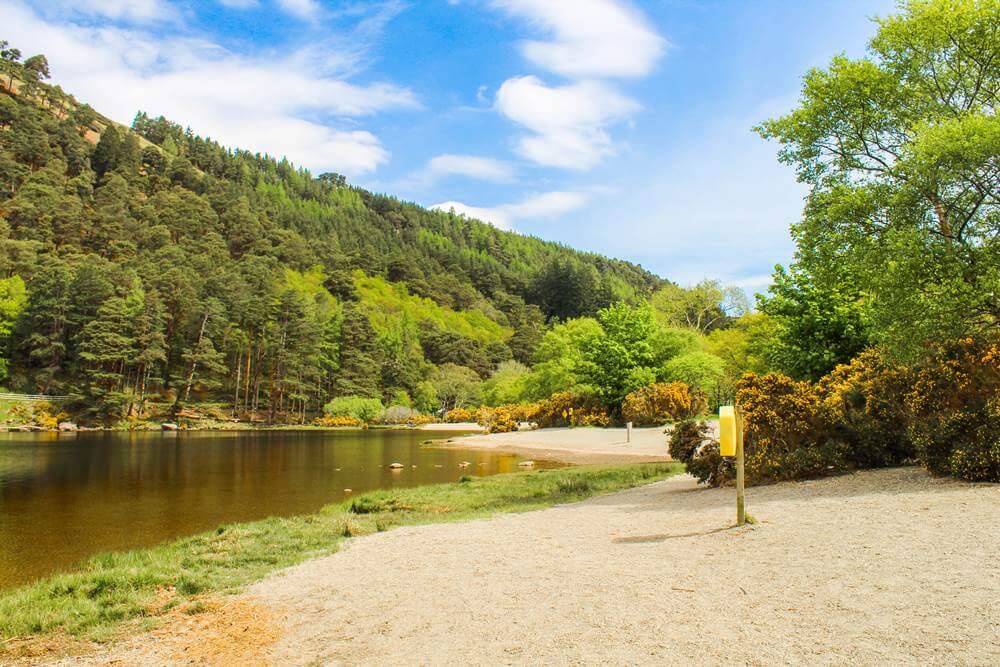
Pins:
x: 293, y: 105
x: 569, y: 122
x: 471, y: 166
x: 133, y: 11
x: 589, y: 38
x: 544, y: 205
x: 303, y: 9
x: 239, y: 4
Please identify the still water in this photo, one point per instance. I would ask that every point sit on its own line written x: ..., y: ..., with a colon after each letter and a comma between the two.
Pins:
x: 65, y: 497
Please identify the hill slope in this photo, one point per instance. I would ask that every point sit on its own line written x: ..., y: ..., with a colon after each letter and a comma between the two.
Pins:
x: 157, y: 262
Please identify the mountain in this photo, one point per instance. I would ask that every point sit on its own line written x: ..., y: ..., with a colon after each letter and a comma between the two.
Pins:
x: 149, y: 263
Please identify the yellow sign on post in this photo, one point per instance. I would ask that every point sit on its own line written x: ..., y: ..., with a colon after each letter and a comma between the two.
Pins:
x: 727, y: 430
x: 731, y: 444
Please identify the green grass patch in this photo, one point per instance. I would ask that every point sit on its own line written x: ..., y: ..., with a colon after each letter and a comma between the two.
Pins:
x: 110, y: 589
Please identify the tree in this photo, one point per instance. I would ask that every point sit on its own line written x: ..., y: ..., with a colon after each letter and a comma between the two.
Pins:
x: 360, y: 364
x: 456, y: 386
x: 703, y: 307
x: 620, y: 358
x: 900, y: 151
x: 13, y: 298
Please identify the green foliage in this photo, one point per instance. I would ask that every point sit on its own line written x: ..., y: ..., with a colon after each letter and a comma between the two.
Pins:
x: 268, y: 288
x: 13, y: 298
x: 506, y: 384
x: 620, y: 358
x: 456, y: 387
x: 899, y: 242
x: 700, y: 370
x: 702, y: 307
x: 363, y: 409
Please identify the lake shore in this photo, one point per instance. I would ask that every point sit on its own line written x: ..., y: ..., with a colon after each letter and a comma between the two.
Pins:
x: 836, y: 570
x: 121, y: 593
x: 603, y: 446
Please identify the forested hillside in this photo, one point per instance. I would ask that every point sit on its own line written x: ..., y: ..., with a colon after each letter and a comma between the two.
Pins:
x: 153, y: 264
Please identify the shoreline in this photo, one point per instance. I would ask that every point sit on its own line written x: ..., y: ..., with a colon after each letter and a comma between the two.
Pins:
x: 244, y: 426
x: 577, y: 446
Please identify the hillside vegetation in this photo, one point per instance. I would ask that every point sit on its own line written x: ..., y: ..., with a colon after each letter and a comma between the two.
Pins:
x: 148, y: 263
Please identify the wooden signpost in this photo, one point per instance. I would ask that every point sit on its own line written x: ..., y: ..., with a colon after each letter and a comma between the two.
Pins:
x: 731, y: 444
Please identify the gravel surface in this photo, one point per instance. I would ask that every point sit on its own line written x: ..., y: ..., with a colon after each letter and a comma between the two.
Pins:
x: 879, y: 567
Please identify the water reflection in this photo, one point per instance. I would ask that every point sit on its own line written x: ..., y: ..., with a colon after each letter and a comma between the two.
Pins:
x: 64, y: 497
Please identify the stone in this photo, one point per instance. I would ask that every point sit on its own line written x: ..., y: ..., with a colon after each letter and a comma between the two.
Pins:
x: 395, y: 466
x: 526, y: 463
x: 169, y: 426
x: 68, y: 427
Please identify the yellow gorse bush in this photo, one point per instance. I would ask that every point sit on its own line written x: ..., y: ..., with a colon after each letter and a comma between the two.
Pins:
x: 663, y: 402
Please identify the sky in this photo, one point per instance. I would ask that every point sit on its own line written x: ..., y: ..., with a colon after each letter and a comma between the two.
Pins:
x: 615, y: 126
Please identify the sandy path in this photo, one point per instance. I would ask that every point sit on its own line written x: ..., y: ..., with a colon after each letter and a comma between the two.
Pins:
x: 881, y: 567
x: 574, y: 445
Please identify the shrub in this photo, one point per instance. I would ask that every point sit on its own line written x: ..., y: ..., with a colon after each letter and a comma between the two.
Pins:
x: 363, y: 409
x: 864, y: 407
x: 342, y: 421
x: 691, y: 444
x: 398, y: 414
x: 660, y: 403
x: 785, y: 435
x: 954, y: 410
x: 501, y: 419
x: 567, y: 408
x: 458, y: 415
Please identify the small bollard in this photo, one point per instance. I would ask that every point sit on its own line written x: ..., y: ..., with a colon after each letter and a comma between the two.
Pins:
x: 628, y: 432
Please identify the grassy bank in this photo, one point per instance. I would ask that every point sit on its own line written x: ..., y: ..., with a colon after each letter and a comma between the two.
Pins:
x: 112, y: 589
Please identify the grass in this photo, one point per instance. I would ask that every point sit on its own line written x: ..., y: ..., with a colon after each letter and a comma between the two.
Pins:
x: 109, y: 590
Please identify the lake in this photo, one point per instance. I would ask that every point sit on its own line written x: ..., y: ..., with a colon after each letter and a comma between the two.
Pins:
x: 65, y: 497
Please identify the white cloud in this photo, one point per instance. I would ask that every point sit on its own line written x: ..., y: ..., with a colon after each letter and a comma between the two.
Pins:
x: 589, y: 38
x: 239, y: 4
x: 272, y: 105
x: 135, y: 11
x: 569, y: 122
x: 472, y: 166
x: 494, y: 216
x: 304, y: 9
x: 544, y: 205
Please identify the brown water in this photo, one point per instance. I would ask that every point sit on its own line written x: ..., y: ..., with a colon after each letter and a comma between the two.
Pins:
x: 65, y: 497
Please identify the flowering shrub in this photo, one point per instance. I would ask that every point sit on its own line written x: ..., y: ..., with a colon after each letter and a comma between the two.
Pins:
x: 954, y: 410
x: 863, y: 406
x: 660, y: 403
x: 458, y: 415
x: 501, y: 419
x: 566, y: 408
x: 339, y: 421
x: 41, y: 414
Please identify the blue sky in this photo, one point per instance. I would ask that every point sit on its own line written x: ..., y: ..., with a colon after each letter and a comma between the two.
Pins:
x: 614, y: 126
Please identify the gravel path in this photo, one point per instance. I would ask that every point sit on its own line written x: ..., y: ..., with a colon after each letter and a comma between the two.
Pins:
x: 880, y: 567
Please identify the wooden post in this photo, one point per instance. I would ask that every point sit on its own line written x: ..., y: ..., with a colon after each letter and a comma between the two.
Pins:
x: 741, y: 512
x: 628, y: 432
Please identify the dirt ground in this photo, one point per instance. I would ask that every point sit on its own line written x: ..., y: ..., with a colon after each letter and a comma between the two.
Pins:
x: 879, y: 567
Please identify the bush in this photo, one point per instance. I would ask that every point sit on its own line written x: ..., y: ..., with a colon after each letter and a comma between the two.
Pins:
x: 501, y: 419
x: 691, y: 444
x: 661, y: 403
x: 338, y: 422
x: 864, y: 407
x: 954, y: 410
x: 785, y: 434
x: 458, y: 416
x: 363, y: 409
x: 567, y: 408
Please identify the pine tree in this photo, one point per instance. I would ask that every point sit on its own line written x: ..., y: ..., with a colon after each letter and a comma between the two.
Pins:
x: 359, y: 358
